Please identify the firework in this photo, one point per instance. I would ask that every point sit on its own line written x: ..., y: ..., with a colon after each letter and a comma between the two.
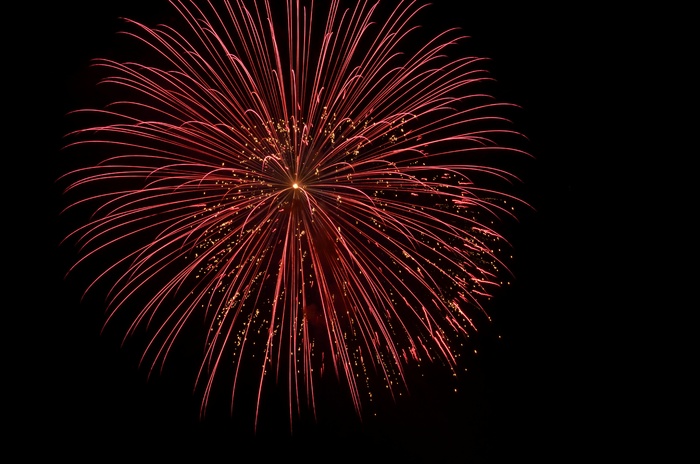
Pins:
x: 313, y: 188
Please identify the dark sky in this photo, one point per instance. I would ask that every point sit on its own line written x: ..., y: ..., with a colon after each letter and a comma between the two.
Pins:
x: 528, y: 396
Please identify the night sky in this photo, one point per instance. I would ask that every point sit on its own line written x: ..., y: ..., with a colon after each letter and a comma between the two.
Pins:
x: 530, y: 395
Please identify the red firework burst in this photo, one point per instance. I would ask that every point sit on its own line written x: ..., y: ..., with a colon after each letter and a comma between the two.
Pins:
x: 323, y: 202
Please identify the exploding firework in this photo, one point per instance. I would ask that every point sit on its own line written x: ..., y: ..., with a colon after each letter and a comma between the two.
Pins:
x: 312, y: 188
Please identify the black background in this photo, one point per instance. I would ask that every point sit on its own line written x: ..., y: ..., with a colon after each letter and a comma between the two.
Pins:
x: 554, y: 388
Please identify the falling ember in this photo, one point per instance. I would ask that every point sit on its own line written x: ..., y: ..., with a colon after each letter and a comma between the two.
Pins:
x: 380, y: 256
